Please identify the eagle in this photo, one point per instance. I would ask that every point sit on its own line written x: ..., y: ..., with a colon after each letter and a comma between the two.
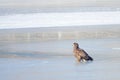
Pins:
x: 81, y: 54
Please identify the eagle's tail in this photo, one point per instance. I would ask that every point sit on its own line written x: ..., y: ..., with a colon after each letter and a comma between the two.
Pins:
x: 88, y: 58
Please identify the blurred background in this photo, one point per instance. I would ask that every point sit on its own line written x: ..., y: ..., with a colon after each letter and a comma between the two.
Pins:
x: 58, y: 19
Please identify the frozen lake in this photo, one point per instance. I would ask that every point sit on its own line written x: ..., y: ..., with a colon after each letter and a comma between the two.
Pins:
x: 45, y: 52
x: 54, y: 60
